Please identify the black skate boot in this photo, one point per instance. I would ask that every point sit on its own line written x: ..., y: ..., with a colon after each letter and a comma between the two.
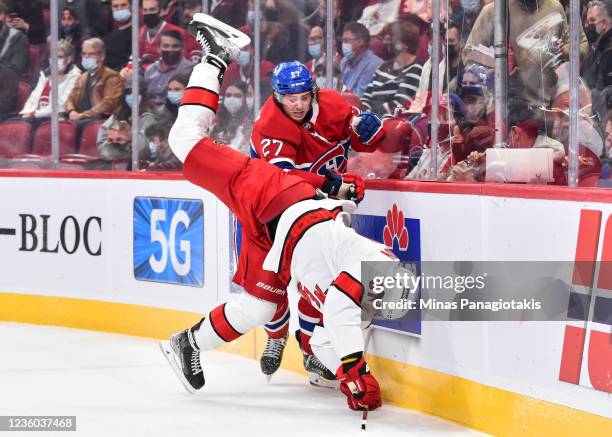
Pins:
x: 272, y: 355
x: 183, y: 354
x: 318, y: 374
x: 221, y: 42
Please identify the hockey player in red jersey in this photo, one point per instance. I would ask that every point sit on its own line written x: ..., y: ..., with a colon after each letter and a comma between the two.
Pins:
x: 308, y: 132
x: 276, y: 210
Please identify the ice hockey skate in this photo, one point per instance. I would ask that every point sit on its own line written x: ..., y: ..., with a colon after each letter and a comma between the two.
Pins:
x: 318, y: 374
x: 217, y: 38
x: 272, y: 355
x: 182, y: 353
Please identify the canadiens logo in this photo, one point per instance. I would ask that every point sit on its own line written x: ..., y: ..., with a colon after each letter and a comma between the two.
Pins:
x: 333, y: 159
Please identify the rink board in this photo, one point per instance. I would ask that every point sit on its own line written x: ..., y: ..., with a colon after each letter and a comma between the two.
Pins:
x: 140, y: 267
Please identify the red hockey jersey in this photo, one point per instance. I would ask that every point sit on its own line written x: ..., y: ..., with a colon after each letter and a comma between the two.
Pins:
x: 320, y: 143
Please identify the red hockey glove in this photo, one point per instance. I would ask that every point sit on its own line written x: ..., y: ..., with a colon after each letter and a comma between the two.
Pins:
x: 357, y: 383
x: 358, y: 191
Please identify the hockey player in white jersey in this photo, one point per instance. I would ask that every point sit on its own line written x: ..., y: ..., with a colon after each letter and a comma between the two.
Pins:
x: 309, y: 244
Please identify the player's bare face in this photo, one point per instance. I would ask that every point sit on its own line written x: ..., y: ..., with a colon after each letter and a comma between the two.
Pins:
x: 297, y: 106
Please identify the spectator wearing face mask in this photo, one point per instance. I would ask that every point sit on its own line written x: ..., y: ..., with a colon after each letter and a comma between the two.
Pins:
x: 151, y: 33
x: 161, y: 157
x: 170, y: 64
x: 176, y: 89
x: 89, y: 13
x: 98, y: 90
x: 243, y: 69
x: 119, y: 41
x: 234, y: 118
x: 123, y: 114
x: 358, y: 64
x: 38, y: 106
x: 71, y: 32
x: 117, y: 144
x: 395, y: 83
x: 597, y: 71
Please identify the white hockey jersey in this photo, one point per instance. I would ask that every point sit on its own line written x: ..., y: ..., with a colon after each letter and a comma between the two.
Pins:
x: 322, y: 256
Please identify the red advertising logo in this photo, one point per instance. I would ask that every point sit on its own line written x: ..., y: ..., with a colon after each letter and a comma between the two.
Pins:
x: 395, y: 229
x: 587, y: 347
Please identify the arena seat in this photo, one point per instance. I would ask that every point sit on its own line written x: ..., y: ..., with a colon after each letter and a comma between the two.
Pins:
x: 15, y: 138
x: 42, y: 138
x: 88, y: 145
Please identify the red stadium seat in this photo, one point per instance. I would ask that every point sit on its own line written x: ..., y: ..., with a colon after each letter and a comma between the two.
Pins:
x: 89, y: 138
x: 42, y: 138
x: 14, y: 138
x: 23, y: 94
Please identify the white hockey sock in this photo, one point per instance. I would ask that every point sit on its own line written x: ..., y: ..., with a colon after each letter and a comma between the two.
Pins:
x: 194, y: 121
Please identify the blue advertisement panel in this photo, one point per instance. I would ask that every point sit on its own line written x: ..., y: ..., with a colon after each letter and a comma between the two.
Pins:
x: 169, y: 240
x: 403, y: 236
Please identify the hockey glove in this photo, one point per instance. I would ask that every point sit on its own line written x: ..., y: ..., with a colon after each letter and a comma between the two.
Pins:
x: 357, y: 383
x: 368, y: 127
x: 347, y: 186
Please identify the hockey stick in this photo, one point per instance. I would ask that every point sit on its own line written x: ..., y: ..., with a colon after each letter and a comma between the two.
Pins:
x: 368, y: 336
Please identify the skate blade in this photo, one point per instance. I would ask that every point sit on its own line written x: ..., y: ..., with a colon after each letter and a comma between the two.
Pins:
x: 318, y: 381
x: 235, y: 36
x: 166, y: 349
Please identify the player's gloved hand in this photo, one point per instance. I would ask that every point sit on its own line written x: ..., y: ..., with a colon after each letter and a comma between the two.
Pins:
x: 368, y: 127
x: 347, y: 186
x: 357, y: 190
x: 357, y: 383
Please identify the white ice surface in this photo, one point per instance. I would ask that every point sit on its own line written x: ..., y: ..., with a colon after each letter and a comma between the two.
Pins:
x: 119, y: 385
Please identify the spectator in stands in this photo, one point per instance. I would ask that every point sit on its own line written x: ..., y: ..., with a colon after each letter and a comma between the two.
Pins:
x: 176, y: 89
x: 152, y: 31
x: 466, y: 13
x: 535, y: 78
x: 230, y: 12
x: 359, y: 63
x: 119, y: 41
x: 190, y: 7
x: 452, y: 49
x: 396, y: 81
x: 597, y: 71
x: 123, y: 113
x: 71, y: 31
x: 316, y: 48
x: 282, y: 25
x: 27, y: 16
x: 170, y: 11
x: 118, y: 142
x: 608, y: 145
x: 233, y: 118
x: 161, y: 156
x: 98, y: 91
x: 375, y: 16
x: 9, y: 92
x: 171, y: 63
x: 89, y: 13
x: 38, y: 106
x: 14, y: 45
x: 243, y: 68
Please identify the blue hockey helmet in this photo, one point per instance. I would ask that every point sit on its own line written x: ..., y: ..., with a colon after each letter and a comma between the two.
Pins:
x: 291, y: 78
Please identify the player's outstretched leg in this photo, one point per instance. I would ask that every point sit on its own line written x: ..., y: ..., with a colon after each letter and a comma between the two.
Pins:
x: 183, y: 354
x: 277, y: 330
